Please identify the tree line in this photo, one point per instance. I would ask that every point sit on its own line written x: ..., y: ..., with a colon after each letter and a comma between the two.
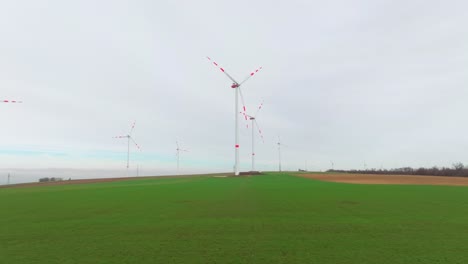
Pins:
x: 457, y: 170
x: 52, y: 179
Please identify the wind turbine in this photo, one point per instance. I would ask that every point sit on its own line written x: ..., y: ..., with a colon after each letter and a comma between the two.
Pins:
x: 236, y: 85
x: 279, y: 153
x: 253, y: 119
x: 178, y: 149
x: 129, y: 137
x: 11, y: 101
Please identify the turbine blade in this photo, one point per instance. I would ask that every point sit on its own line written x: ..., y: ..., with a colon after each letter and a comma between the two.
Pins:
x: 246, y: 119
x: 138, y: 146
x: 259, y: 130
x: 131, y: 130
x: 244, y: 109
x: 120, y: 137
x: 259, y: 108
x: 11, y: 101
x: 222, y: 69
x: 250, y: 75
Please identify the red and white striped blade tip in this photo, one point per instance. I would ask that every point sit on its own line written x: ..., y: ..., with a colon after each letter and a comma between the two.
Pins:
x: 215, y: 63
x: 235, y: 83
x: 254, y: 72
x: 11, y: 101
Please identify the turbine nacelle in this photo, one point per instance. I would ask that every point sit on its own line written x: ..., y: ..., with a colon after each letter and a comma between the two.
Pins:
x: 235, y: 85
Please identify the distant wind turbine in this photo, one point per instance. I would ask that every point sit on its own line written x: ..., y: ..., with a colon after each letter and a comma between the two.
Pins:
x: 279, y: 152
x: 129, y: 137
x: 178, y: 149
x: 253, y: 119
x: 236, y: 85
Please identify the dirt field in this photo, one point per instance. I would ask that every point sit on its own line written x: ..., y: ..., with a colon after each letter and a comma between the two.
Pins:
x: 387, y: 179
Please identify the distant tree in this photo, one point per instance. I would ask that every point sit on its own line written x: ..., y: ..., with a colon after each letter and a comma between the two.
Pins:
x: 458, y: 166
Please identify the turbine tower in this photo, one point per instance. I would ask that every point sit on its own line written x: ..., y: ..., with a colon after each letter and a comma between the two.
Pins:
x: 253, y: 119
x: 279, y: 154
x: 129, y: 137
x: 236, y: 85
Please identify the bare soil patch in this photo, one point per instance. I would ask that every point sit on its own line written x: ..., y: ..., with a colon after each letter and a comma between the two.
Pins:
x: 387, y: 179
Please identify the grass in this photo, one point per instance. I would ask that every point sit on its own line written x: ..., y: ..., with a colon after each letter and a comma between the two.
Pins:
x: 276, y: 218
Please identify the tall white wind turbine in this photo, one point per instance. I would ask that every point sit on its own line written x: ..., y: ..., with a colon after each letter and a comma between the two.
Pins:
x: 236, y: 85
x: 253, y: 119
x: 129, y: 137
x: 178, y: 149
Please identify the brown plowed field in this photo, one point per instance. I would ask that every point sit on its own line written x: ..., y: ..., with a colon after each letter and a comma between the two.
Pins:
x: 386, y: 179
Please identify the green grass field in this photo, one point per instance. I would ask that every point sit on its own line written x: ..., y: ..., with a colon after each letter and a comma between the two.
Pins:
x: 274, y: 218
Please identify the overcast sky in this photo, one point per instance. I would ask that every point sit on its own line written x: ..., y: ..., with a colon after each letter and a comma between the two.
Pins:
x: 359, y: 83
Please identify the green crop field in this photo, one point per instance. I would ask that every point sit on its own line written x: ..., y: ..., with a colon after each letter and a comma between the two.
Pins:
x: 273, y: 218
